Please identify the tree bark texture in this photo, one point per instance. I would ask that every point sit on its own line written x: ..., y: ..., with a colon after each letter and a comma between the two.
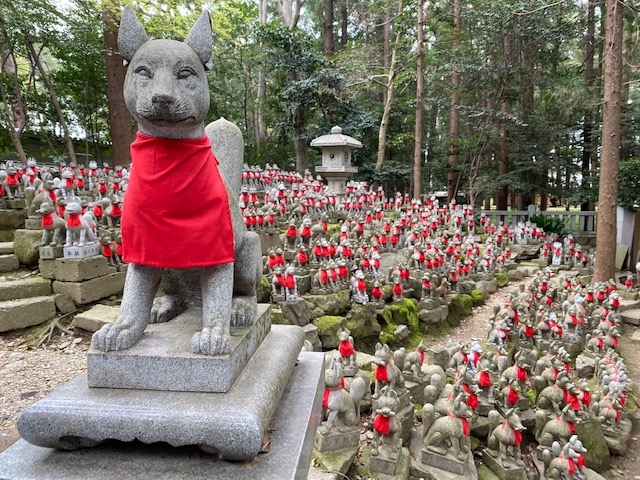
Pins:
x: 417, y: 146
x: 120, y: 124
x: 610, y: 149
x: 454, y: 113
x: 588, y: 150
x: 503, y: 152
x: 328, y: 27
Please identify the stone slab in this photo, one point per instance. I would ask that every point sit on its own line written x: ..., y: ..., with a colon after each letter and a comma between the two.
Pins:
x: 26, y: 312
x: 82, y: 252
x: 33, y: 224
x: 382, y: 464
x: 92, y: 290
x: 288, y: 458
x: 64, y: 304
x: 50, y: 253
x: 348, y: 437
x: 9, y: 263
x: 335, y: 461
x: 24, y: 288
x: 162, y: 359
x: 6, y: 248
x: 233, y: 424
x: 626, y: 304
x: 79, y: 270
x: 12, y: 219
x: 514, y: 472
x: 95, y: 318
x: 26, y: 244
x: 632, y: 317
x: 47, y: 269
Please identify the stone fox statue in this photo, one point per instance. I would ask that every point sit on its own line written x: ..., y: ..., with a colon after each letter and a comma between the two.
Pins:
x: 180, y: 211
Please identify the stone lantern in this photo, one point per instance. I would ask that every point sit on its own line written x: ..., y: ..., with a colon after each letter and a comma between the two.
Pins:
x: 336, y: 159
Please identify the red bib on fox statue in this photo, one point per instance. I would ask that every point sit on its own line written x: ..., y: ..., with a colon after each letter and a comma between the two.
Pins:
x: 176, y: 210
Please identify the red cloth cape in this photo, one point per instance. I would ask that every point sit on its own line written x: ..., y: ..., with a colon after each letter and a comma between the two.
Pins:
x: 176, y: 211
x: 381, y: 373
x: 381, y: 424
x: 518, y: 435
x: 346, y: 349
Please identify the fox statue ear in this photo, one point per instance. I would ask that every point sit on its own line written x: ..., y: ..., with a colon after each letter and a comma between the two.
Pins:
x: 131, y: 35
x: 200, y: 39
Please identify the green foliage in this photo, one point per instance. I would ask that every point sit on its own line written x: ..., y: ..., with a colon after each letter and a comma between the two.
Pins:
x: 550, y: 224
x: 629, y: 184
x: 477, y: 297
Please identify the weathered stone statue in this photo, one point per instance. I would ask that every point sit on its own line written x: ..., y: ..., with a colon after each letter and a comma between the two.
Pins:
x: 170, y: 104
x: 447, y: 435
x: 347, y: 357
x: 503, y: 443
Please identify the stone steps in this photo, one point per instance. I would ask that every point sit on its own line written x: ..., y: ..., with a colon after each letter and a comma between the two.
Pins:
x: 26, y: 312
x: 6, y: 248
x: 24, y: 288
x: 632, y: 317
x: 9, y: 263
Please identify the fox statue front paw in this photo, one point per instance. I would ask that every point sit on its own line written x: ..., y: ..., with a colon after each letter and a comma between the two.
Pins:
x: 211, y: 341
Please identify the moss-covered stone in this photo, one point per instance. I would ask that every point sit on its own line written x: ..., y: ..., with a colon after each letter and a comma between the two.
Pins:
x: 405, y: 313
x: 484, y: 473
x: 277, y: 317
x: 328, y: 326
x: 477, y: 297
x: 263, y: 290
x: 460, y: 306
x: 331, y: 304
x: 387, y: 336
x: 597, y: 456
x: 362, y: 322
x: 502, y: 278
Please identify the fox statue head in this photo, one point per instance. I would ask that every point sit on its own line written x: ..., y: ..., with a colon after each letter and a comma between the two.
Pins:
x: 165, y: 87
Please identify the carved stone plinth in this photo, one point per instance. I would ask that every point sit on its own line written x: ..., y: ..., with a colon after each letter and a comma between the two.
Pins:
x: 382, y: 463
x: 82, y: 252
x: 166, y: 347
x: 232, y: 424
x: 50, y: 253
x: 542, y: 344
x: 337, y: 439
x: 512, y: 472
x: 33, y: 224
x: 448, y: 463
x: 17, y: 204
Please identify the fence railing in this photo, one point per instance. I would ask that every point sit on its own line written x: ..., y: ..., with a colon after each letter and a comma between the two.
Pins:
x: 576, y: 222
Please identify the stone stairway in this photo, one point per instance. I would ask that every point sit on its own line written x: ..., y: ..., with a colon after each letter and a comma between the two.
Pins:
x: 23, y: 301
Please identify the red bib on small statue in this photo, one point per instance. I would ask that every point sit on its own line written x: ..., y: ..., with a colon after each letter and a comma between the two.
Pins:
x: 176, y: 211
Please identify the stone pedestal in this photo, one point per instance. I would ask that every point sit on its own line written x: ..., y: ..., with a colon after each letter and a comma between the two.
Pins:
x: 382, y: 463
x: 33, y: 224
x: 513, y: 472
x: 419, y: 469
x: 166, y: 347
x: 232, y: 424
x: 288, y: 458
x: 345, y: 437
x: 448, y: 463
x: 51, y: 253
x: 17, y: 204
x: 82, y: 252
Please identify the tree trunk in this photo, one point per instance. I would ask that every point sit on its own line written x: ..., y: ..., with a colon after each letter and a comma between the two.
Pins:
x: 431, y: 141
x: 386, y: 45
x: 299, y: 142
x: 503, y: 152
x: 260, y: 133
x: 610, y: 150
x: 328, y: 27
x: 417, y: 145
x: 386, y: 114
x: 454, y: 114
x: 344, y: 23
x: 120, y: 124
x: 588, y: 150
x: 35, y: 58
x: 14, y: 110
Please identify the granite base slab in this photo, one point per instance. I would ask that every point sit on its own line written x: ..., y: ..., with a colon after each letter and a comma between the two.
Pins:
x: 513, y: 472
x: 232, y: 424
x: 162, y: 359
x: 288, y: 459
x: 337, y: 439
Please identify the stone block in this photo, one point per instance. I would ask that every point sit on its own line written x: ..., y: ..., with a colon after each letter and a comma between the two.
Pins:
x: 233, y: 424
x: 635, y: 338
x: 64, y: 304
x: 513, y: 472
x: 585, y: 366
x: 11, y: 219
x: 421, y: 470
x: 91, y: 290
x: 446, y: 462
x: 382, y: 464
x: 82, y: 252
x: 6, y: 236
x: 33, y: 224
x: 311, y: 334
x: 47, y: 269
x: 17, y: 204
x: 438, y: 355
x: 303, y: 283
x: 26, y: 312
x: 50, y: 253
x: 162, y: 359
x: 626, y: 304
x: 9, y: 263
x: 335, y: 461
x: 297, y: 312
x: 632, y: 317
x: 71, y: 270
x: 94, y: 318
x: 26, y: 244
x: 6, y: 248
x: 24, y: 288
x: 288, y: 459
x: 348, y: 437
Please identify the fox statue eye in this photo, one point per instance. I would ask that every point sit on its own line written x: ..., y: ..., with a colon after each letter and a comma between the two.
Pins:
x: 143, y: 72
x: 186, y: 73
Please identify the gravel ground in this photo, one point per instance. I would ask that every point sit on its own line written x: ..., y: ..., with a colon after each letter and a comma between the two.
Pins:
x: 27, y: 375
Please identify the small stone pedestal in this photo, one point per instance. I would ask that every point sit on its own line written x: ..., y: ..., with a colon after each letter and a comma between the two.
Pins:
x: 50, y: 253
x: 513, y: 472
x: 82, y: 252
x: 448, y: 463
x: 17, y: 204
x: 33, y: 224
x: 337, y: 439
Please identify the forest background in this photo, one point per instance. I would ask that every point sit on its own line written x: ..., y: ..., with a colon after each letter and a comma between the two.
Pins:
x: 500, y: 101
